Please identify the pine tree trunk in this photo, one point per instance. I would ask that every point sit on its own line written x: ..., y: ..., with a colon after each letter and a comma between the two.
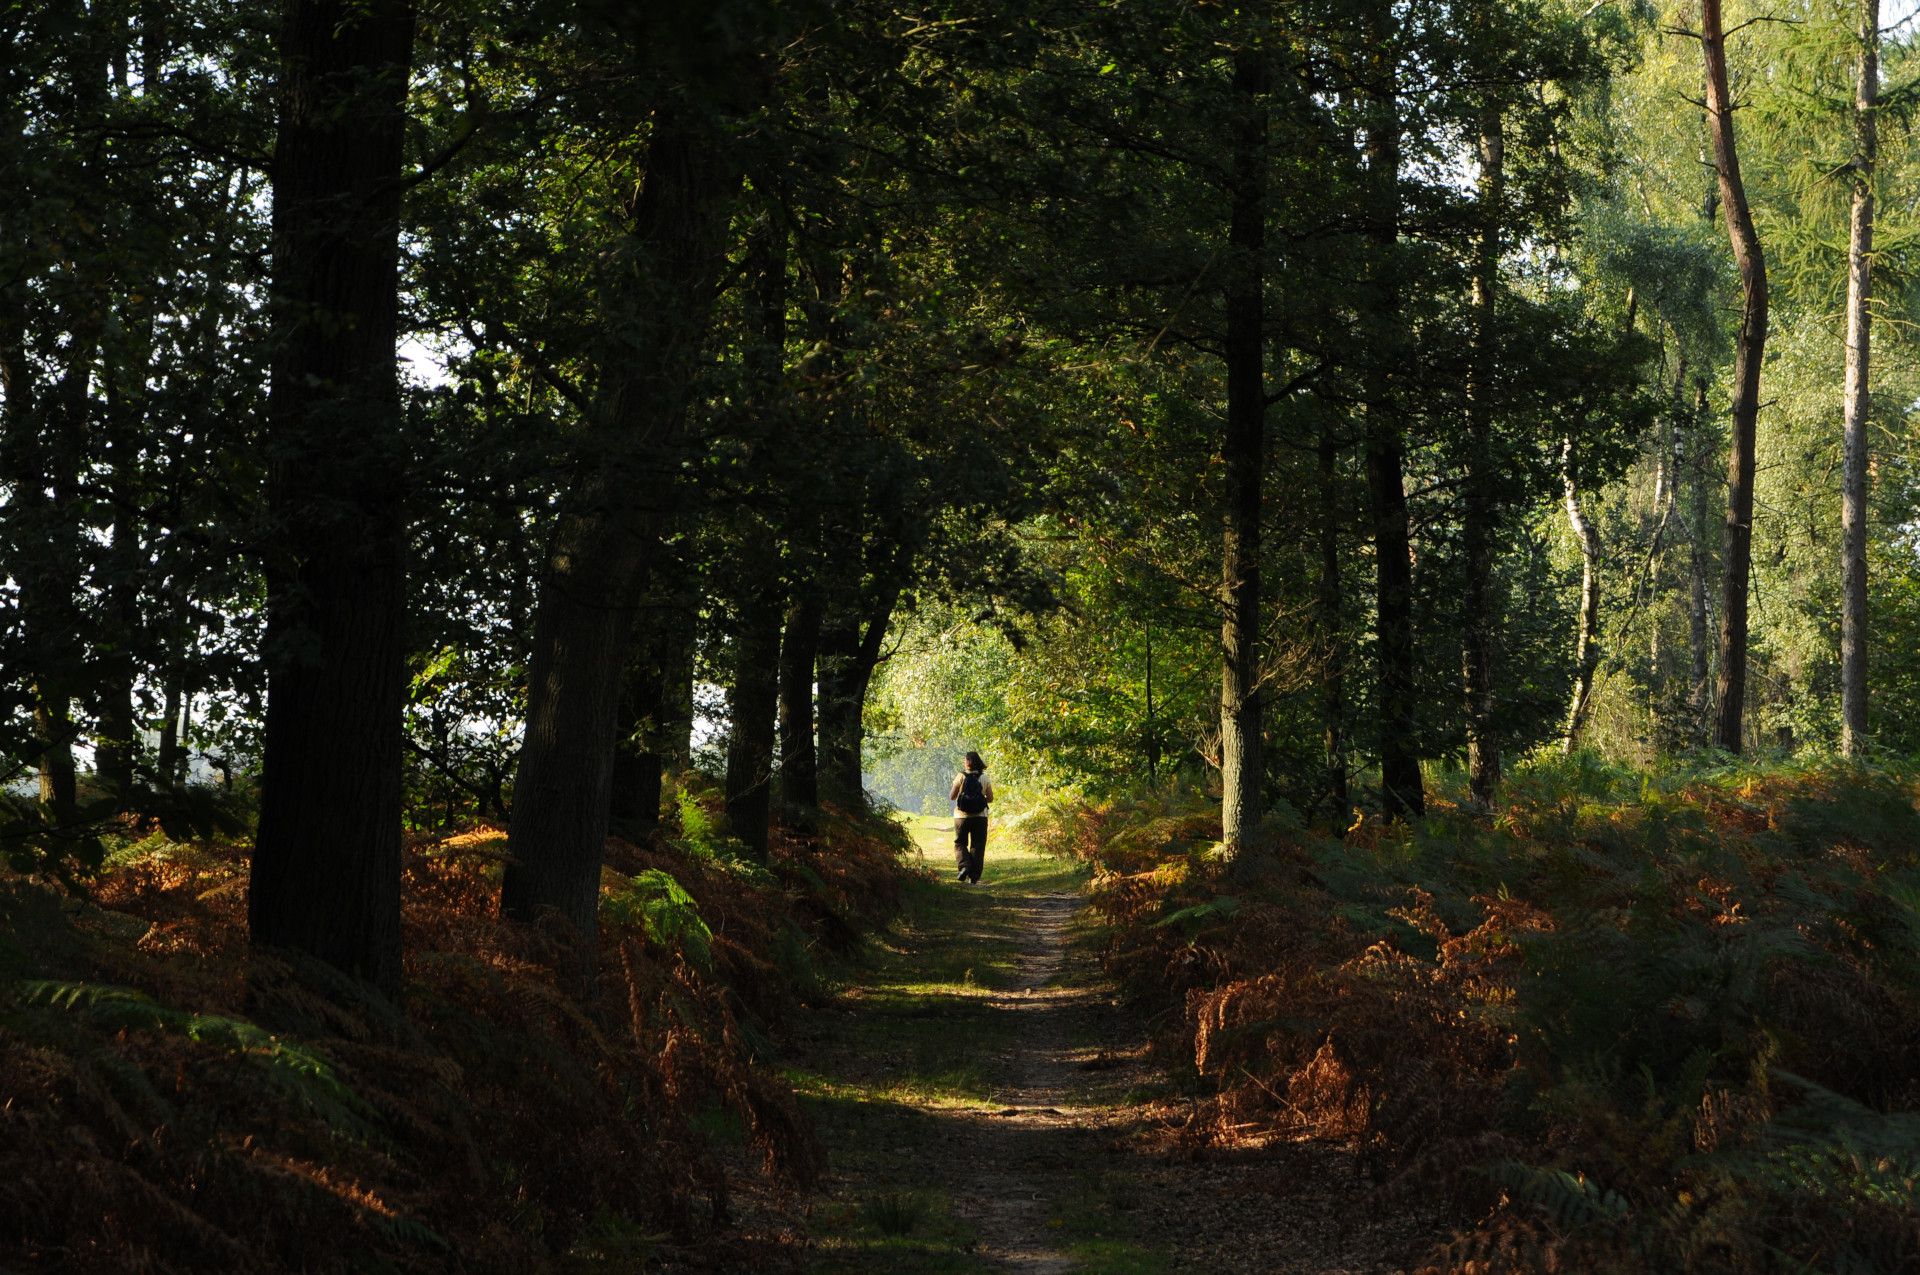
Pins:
x: 1331, y: 607
x: 1481, y: 616
x: 1858, y: 403
x: 1749, y: 351
x: 1242, y: 770
x: 607, y: 538
x: 1402, y: 790
x: 326, y: 863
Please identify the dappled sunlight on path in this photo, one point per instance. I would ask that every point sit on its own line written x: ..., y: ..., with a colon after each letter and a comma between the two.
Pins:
x: 978, y: 1090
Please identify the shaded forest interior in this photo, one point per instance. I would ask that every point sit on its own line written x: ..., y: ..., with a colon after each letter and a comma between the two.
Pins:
x: 504, y: 507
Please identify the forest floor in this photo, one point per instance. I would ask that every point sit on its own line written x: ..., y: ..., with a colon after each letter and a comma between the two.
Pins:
x: 987, y: 1103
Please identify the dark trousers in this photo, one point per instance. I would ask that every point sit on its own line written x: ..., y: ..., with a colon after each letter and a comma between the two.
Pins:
x: 969, y: 845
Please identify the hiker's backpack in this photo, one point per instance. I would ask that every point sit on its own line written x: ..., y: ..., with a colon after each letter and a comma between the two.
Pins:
x: 973, y: 798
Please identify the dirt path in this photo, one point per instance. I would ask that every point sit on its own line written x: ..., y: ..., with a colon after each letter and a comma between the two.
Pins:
x: 980, y: 1094
x: 1027, y: 1145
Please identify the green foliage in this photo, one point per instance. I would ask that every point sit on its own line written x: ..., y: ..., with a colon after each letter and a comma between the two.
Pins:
x: 296, y: 1073
x: 661, y: 907
x: 898, y: 1212
x: 1663, y: 1015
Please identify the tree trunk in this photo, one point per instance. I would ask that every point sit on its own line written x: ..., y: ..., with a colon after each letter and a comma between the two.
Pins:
x: 850, y: 646
x: 1749, y: 350
x: 1242, y: 770
x: 1481, y: 618
x: 753, y: 697
x: 752, y: 706
x: 1331, y: 606
x: 634, y: 801
x: 656, y: 321
x: 1858, y: 403
x: 841, y: 696
x: 1402, y: 790
x: 326, y: 863
x: 799, y: 648
x: 167, y: 758
x: 1699, y: 621
x: 676, y: 691
x: 1586, y: 647
x: 116, y: 724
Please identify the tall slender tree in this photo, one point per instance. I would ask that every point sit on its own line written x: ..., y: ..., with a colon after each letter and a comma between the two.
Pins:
x: 1749, y: 351
x: 1403, y: 790
x: 1856, y: 396
x: 1242, y: 772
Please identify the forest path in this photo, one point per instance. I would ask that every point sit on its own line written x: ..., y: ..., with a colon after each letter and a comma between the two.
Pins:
x: 976, y: 1089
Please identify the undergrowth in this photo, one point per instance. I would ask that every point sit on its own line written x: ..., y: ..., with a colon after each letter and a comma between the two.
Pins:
x: 169, y: 1102
x: 1629, y: 1023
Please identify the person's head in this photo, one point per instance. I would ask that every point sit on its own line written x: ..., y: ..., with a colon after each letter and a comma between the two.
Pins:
x: 974, y: 762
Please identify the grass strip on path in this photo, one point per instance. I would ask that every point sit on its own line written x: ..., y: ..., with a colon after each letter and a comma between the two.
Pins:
x: 908, y: 1075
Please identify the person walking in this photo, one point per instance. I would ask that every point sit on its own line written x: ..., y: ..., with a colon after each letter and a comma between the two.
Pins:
x: 971, y: 794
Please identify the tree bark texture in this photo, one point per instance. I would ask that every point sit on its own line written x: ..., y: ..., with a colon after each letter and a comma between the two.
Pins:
x: 1402, y: 790
x: 851, y: 637
x: 1586, y: 646
x: 658, y: 304
x: 799, y: 649
x: 1330, y: 605
x: 1481, y: 619
x: 1749, y: 350
x: 752, y: 708
x: 1242, y: 769
x: 1857, y: 406
x: 326, y: 863
x: 753, y: 696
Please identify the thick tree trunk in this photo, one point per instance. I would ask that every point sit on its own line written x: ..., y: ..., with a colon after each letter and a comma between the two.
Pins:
x: 1331, y: 607
x: 1242, y: 769
x: 799, y: 649
x: 753, y: 696
x: 1858, y: 403
x: 841, y: 696
x: 1586, y: 647
x: 116, y: 724
x: 1402, y: 791
x: 850, y: 645
x: 1749, y: 350
x: 326, y: 863
x: 1481, y: 619
x: 656, y: 320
